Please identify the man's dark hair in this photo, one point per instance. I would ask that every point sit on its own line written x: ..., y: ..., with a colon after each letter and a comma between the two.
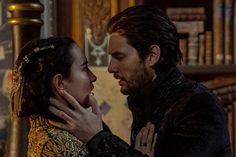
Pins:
x: 144, y: 26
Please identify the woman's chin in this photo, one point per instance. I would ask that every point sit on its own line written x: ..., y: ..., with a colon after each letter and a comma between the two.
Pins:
x: 86, y: 106
x: 86, y: 103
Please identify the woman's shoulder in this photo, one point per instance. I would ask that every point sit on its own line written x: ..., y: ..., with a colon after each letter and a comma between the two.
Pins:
x: 46, y: 139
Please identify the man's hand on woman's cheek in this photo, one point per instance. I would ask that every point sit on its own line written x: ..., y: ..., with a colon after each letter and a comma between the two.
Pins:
x: 80, y: 122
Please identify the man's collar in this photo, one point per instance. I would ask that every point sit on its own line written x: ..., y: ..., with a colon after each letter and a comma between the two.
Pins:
x: 158, y: 88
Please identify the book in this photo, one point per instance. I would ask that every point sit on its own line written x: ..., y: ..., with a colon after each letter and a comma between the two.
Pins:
x: 0, y: 13
x: 201, y: 49
x: 234, y: 128
x: 228, y: 98
x: 228, y: 31
x: 230, y: 121
x: 220, y: 82
x: 234, y: 32
x: 209, y: 47
x: 187, y: 17
x: 218, y: 19
x: 225, y: 90
x: 183, y: 45
x: 189, y: 26
x: 186, y: 10
x: 193, y: 48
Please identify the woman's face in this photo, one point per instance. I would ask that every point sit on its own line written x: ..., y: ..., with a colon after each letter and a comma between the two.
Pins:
x: 80, y: 82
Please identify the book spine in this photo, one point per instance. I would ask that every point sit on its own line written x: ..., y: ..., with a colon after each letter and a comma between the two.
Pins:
x: 228, y: 31
x: 234, y: 129
x: 218, y: 31
x: 183, y: 45
x: 209, y: 51
x: 228, y: 98
x: 230, y: 121
x: 187, y: 17
x: 192, y: 48
x: 195, y: 10
x: 189, y: 26
x: 201, y: 53
x: 1, y: 13
x: 225, y: 90
x: 234, y: 32
x: 220, y: 82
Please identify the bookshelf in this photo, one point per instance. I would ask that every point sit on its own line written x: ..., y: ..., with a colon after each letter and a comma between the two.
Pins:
x: 208, y: 72
x: 206, y: 68
x: 164, y: 4
x: 209, y: 53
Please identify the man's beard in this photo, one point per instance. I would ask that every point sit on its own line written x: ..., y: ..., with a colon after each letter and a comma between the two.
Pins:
x: 137, y: 80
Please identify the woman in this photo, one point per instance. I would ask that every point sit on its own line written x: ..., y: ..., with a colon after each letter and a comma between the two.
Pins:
x: 43, y: 68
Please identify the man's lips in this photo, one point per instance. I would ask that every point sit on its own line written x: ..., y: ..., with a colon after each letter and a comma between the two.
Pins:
x: 116, y: 77
x: 119, y: 77
x: 122, y: 82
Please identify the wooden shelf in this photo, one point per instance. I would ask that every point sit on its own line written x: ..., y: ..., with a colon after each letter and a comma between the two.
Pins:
x: 207, y: 72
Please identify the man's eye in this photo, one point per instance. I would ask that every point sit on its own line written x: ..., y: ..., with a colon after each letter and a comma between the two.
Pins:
x: 119, y: 57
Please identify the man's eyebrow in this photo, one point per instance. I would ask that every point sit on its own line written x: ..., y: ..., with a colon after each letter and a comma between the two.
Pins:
x: 115, y: 53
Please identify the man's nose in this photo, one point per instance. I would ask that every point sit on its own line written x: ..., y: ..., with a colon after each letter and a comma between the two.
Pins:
x: 112, y: 67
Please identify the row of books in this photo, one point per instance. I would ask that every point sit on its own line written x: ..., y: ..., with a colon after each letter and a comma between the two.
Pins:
x: 206, y: 46
x: 196, y: 47
x: 227, y: 95
x: 225, y: 89
x: 190, y: 24
x: 224, y: 31
x: 230, y: 111
x: 229, y: 103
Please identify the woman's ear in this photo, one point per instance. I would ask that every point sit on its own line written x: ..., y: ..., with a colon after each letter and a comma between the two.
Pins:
x: 154, y: 55
x: 57, y: 82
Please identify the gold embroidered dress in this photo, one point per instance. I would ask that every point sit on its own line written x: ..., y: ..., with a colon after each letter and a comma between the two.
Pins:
x: 47, y: 141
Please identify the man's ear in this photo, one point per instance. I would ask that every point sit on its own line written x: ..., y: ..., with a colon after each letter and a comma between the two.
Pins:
x: 57, y: 82
x: 154, y: 55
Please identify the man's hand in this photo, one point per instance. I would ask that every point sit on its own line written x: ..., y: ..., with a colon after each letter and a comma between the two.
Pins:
x: 80, y: 122
x: 146, y: 140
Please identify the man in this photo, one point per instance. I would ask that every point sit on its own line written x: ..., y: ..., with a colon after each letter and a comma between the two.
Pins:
x: 188, y: 118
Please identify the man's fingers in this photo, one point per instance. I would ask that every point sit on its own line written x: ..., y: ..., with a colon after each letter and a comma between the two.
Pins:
x: 72, y: 101
x: 60, y: 106
x: 59, y: 125
x: 154, y: 142
x: 144, y: 138
x: 60, y: 114
x: 150, y: 135
x: 138, y: 139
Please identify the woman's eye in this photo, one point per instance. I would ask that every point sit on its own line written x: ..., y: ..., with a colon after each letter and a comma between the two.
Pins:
x: 86, y: 68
